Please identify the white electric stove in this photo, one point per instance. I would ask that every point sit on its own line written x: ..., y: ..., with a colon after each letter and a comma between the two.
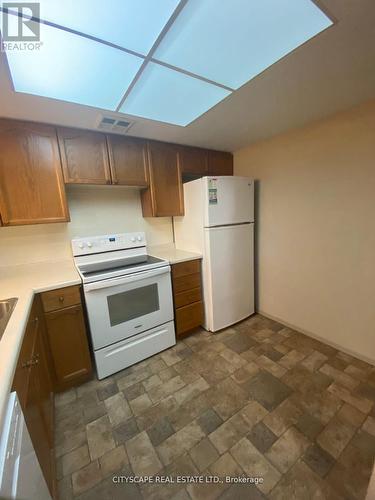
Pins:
x: 128, y: 296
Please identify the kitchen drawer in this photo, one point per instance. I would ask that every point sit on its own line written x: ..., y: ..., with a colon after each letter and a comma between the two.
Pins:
x: 63, y: 297
x: 187, y: 297
x: 188, y: 317
x: 186, y: 268
x: 186, y: 283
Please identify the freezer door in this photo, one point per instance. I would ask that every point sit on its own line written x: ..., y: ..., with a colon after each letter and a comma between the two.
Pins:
x: 228, y: 200
x: 228, y: 275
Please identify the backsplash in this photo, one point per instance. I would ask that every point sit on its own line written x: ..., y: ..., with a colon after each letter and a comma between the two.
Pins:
x: 93, y: 210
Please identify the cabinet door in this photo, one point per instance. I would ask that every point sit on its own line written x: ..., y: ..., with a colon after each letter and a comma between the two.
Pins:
x: 22, y: 373
x: 68, y: 343
x: 220, y: 163
x: 165, y: 196
x: 188, y: 317
x: 44, y: 367
x: 31, y: 183
x: 128, y: 160
x: 36, y: 427
x: 84, y: 156
x: 193, y: 161
x: 38, y: 407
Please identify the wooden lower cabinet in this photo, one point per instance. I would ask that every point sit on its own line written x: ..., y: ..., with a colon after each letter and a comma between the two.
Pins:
x: 32, y: 382
x: 187, y: 296
x: 189, y: 317
x: 54, y: 356
x: 67, y: 340
x: 187, y: 283
x: 67, y: 337
x: 61, y: 298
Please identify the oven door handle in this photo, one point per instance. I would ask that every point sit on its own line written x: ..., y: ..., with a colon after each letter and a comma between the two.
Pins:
x: 123, y: 280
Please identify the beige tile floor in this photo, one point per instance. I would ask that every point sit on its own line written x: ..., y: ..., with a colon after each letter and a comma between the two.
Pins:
x: 255, y: 400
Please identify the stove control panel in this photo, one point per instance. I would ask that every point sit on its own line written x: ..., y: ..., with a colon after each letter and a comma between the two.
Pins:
x: 107, y: 243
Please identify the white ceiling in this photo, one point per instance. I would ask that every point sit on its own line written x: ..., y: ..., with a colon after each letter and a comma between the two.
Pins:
x: 333, y: 71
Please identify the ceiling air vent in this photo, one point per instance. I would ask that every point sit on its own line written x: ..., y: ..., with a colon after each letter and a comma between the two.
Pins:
x: 112, y: 124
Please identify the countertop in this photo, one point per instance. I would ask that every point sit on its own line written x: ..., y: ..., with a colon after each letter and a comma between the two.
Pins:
x: 172, y: 254
x: 23, y: 281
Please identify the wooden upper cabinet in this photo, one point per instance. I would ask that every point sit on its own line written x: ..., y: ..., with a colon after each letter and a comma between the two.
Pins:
x: 84, y: 156
x: 220, y: 163
x: 31, y: 183
x: 193, y: 161
x: 128, y: 160
x: 165, y: 194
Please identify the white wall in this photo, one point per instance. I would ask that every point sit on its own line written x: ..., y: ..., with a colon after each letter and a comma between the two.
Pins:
x: 316, y: 228
x: 93, y: 211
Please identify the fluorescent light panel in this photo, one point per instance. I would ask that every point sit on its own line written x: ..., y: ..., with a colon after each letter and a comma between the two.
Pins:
x: 74, y: 69
x: 169, y: 96
x: 225, y: 42
x: 232, y: 41
x: 132, y: 24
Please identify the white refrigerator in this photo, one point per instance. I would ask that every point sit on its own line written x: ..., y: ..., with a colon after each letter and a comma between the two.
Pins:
x: 219, y: 223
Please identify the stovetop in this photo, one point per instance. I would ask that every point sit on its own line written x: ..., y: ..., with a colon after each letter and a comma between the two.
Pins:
x: 113, y: 271
x: 109, y: 256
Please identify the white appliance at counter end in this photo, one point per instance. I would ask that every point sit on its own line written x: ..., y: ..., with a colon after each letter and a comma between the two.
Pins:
x: 128, y: 296
x: 219, y: 223
x: 20, y: 474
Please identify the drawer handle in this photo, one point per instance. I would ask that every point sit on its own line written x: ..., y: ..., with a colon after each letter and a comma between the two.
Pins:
x: 61, y: 299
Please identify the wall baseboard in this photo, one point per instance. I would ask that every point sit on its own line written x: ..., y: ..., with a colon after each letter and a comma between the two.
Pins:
x: 317, y: 337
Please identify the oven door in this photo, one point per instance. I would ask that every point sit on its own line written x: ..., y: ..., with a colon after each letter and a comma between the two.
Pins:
x: 121, y: 307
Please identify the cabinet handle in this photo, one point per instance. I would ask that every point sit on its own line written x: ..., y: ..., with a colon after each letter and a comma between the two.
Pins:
x: 61, y: 299
x: 31, y: 362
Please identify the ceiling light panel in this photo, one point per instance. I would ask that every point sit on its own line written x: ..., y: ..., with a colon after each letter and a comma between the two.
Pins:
x: 132, y: 24
x: 232, y: 41
x: 74, y: 69
x: 169, y: 96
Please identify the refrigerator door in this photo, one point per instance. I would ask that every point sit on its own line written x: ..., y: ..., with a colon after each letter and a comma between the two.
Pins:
x: 228, y: 275
x: 228, y: 200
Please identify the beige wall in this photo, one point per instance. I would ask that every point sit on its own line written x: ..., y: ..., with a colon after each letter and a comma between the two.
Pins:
x: 93, y: 211
x: 316, y: 228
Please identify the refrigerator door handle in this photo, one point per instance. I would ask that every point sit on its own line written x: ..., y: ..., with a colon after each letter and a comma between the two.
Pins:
x: 230, y: 225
